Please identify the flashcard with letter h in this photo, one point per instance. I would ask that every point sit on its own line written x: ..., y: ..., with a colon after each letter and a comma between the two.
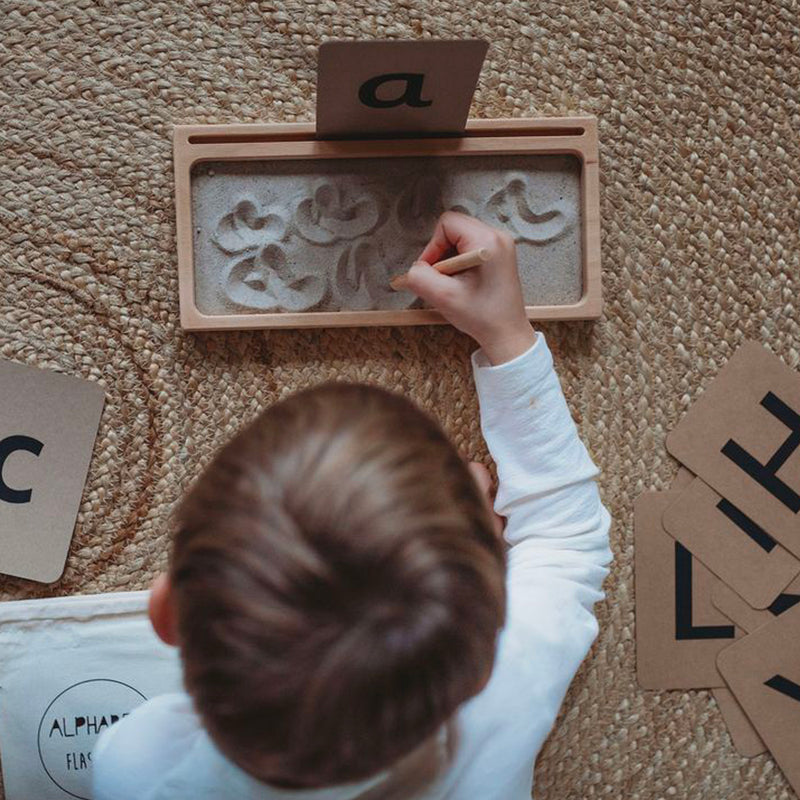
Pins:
x: 742, y: 437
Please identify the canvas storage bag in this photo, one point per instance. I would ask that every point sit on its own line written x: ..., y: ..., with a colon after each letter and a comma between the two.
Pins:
x: 69, y: 668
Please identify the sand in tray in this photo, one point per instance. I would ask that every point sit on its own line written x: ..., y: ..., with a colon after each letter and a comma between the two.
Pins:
x: 328, y: 235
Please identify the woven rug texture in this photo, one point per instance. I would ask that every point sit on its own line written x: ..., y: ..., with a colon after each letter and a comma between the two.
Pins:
x: 698, y: 112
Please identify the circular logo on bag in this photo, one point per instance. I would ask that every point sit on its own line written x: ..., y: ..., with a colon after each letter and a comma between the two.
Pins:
x: 71, y: 724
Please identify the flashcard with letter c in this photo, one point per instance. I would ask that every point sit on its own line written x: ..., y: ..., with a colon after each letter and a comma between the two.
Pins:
x: 48, y: 424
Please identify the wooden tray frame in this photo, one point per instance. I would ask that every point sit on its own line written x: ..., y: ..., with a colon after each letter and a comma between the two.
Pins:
x: 193, y: 144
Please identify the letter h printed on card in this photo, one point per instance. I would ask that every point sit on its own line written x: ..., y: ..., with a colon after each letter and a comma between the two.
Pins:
x: 742, y: 439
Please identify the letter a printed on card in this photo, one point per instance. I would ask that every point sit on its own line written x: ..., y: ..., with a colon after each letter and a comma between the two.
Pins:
x: 381, y: 88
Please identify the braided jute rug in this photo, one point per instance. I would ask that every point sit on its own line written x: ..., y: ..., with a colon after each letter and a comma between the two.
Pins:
x: 699, y: 113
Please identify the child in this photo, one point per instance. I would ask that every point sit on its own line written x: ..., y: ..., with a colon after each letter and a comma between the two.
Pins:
x: 350, y: 623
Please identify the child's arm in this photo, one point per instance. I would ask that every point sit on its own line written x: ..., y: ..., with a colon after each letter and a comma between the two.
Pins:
x: 556, y: 524
x: 547, y: 490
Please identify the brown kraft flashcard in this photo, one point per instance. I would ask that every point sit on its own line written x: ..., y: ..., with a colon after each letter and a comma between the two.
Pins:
x: 371, y: 88
x: 762, y: 670
x: 744, y: 736
x: 733, y: 546
x: 742, y: 437
x: 682, y: 480
x: 48, y: 424
x: 745, y: 616
x: 678, y: 631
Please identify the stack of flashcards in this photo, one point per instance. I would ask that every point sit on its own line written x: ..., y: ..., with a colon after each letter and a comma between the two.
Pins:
x: 718, y: 558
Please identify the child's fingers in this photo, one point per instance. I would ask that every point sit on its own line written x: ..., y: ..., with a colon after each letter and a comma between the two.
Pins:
x: 433, y: 287
x: 452, y: 231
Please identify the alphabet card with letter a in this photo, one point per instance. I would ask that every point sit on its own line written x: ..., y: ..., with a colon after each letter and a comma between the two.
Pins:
x: 48, y: 424
x: 385, y: 87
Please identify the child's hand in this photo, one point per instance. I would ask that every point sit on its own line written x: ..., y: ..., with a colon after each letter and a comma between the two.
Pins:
x: 486, y: 301
x: 484, y: 480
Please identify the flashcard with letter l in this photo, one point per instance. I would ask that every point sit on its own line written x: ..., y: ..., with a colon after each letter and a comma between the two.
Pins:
x: 369, y: 88
x: 763, y: 671
x: 742, y: 437
x: 48, y: 424
x: 678, y: 631
x: 731, y: 544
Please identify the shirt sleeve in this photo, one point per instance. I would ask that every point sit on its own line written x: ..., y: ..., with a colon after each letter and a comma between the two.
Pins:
x: 557, y: 527
x: 557, y: 531
x: 546, y: 477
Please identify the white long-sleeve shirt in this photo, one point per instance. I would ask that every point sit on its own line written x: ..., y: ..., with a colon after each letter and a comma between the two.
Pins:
x: 557, y: 531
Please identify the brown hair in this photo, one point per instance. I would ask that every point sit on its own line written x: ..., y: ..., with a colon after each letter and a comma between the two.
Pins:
x: 338, y: 585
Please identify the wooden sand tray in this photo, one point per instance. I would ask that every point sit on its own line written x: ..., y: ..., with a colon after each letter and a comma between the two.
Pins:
x: 282, y: 145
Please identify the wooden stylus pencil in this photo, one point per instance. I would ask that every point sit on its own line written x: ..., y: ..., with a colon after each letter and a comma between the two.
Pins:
x: 449, y: 266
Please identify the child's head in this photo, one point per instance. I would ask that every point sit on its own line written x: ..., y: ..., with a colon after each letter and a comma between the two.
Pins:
x: 337, y: 585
